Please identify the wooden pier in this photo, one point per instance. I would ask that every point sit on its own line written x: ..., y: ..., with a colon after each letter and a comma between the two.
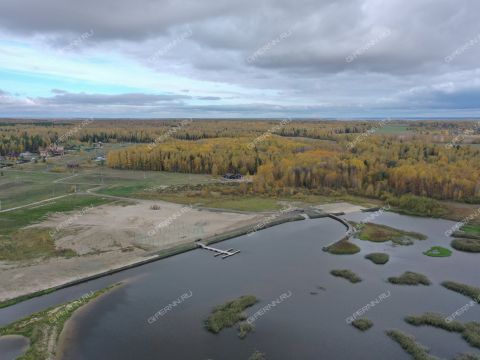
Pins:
x: 223, y: 253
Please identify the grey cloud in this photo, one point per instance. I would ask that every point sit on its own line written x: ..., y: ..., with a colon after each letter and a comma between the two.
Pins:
x: 209, y: 98
x: 65, y: 98
x: 307, y: 67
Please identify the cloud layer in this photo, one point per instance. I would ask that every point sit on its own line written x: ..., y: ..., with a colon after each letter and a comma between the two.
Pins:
x: 310, y: 58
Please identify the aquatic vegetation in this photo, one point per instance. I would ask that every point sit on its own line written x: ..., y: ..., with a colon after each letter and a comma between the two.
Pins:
x: 230, y: 313
x: 362, y: 324
x: 410, y: 345
x: 467, y: 357
x: 470, y: 331
x: 435, y: 320
x: 467, y: 290
x: 257, y: 355
x: 383, y: 233
x: 378, y: 258
x: 410, y: 278
x: 244, y: 328
x: 342, y: 247
x: 438, y: 251
x: 347, y: 274
x: 467, y: 245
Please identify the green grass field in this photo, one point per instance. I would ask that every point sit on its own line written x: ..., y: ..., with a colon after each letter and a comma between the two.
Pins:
x: 21, y: 187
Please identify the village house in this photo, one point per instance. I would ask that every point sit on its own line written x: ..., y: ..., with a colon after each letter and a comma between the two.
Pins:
x: 52, y: 150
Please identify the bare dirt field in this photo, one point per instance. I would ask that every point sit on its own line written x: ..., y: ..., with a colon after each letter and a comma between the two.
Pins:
x: 111, y: 236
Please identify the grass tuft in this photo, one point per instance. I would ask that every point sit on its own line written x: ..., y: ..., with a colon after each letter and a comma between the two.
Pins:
x: 470, y: 331
x: 410, y: 345
x: 230, y: 313
x: 347, y: 274
x: 467, y: 290
x: 410, y: 278
x: 342, y: 247
x: 467, y: 245
x: 244, y: 328
x: 383, y: 233
x: 257, y: 355
x: 378, y: 258
x: 362, y: 324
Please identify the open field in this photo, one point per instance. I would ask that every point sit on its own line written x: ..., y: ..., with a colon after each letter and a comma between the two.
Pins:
x: 101, y: 237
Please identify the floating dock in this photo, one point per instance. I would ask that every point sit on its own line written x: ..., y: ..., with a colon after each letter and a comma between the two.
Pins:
x: 223, y: 253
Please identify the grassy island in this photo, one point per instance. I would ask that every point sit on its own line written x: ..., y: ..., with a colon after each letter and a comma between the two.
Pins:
x: 342, y: 247
x: 410, y: 345
x: 229, y: 314
x: 466, y: 245
x: 378, y: 258
x: 381, y: 233
x: 438, y: 251
x: 362, y: 324
x: 347, y: 274
x: 410, y: 278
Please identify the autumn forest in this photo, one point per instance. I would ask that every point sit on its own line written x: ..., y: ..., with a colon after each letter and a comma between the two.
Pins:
x: 436, y: 159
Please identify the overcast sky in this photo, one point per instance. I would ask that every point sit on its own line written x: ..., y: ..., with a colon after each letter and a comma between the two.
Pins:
x: 248, y: 58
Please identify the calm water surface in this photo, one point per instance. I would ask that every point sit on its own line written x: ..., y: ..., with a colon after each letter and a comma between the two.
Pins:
x: 310, y: 324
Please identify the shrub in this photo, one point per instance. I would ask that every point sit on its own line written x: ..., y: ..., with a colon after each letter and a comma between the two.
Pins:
x: 418, y: 205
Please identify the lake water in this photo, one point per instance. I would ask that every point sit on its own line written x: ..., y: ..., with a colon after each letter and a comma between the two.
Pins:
x: 12, y: 347
x: 310, y: 324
